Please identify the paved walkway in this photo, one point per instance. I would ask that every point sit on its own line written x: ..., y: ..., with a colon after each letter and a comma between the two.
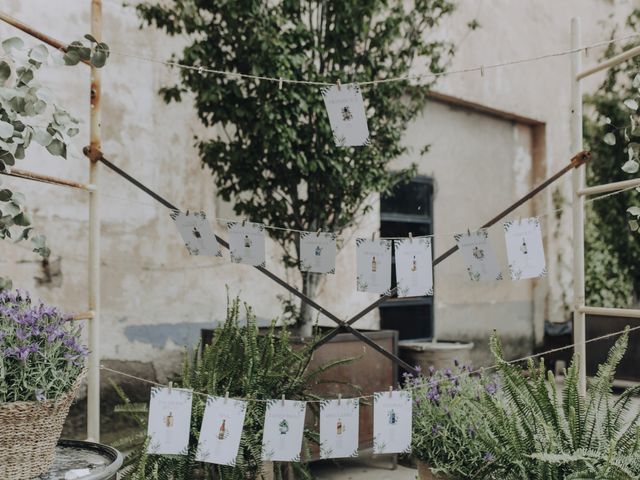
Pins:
x: 365, y: 468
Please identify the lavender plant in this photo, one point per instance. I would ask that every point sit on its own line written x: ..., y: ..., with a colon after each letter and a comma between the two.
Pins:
x: 40, y: 354
x: 446, y: 419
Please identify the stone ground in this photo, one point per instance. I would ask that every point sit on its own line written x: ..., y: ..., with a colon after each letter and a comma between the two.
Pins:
x: 365, y: 468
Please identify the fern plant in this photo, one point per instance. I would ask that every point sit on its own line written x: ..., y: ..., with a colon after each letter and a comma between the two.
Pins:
x: 246, y: 363
x: 538, y: 432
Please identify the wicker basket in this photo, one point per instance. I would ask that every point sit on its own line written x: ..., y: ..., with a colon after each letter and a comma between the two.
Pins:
x: 29, y: 432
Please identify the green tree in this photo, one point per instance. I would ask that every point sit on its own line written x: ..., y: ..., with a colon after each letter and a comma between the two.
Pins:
x: 276, y: 158
x: 612, y: 251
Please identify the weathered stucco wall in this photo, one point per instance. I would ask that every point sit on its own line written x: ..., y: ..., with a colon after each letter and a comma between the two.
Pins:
x: 155, y: 298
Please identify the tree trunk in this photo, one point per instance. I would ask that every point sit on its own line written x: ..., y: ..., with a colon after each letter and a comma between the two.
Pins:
x: 308, y: 314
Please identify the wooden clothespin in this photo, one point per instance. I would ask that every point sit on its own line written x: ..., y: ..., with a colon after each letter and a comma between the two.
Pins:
x: 280, y: 84
x: 283, y: 399
x: 482, y: 70
x: 339, y: 399
x: 318, y: 232
x: 390, y: 391
x: 468, y: 232
x: 226, y: 396
x: 244, y: 221
x: 338, y: 85
x: 410, y: 237
x: 170, y: 387
x: 373, y: 236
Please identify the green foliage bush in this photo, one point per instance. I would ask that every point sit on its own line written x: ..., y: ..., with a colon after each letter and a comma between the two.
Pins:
x: 248, y: 364
x: 539, y: 431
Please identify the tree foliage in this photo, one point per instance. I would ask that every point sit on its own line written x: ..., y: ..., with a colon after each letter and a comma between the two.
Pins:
x: 275, y: 157
x: 612, y: 251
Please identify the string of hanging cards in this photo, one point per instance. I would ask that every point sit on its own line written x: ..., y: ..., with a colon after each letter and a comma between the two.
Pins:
x: 223, y: 420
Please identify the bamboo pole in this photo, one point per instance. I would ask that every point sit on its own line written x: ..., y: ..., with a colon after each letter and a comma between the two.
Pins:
x: 577, y: 184
x: 93, y: 378
x: 611, y: 62
x: 38, y: 177
x: 609, y: 187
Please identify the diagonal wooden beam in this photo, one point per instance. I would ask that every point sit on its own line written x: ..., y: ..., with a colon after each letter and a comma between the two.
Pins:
x: 577, y: 161
x: 95, y: 155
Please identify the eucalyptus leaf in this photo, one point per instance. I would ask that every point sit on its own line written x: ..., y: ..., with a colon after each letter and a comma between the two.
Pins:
x: 630, y: 166
x: 25, y: 234
x: 6, y: 129
x: 22, y: 220
x: 5, y: 195
x: 631, y: 104
x: 18, y: 198
x: 72, y: 57
x: 99, y: 59
x: 13, y: 43
x: 42, y: 137
x: 39, y: 53
x: 10, y: 209
x: 633, y: 225
x: 5, y: 71
x: 57, y: 147
x: 635, y: 211
x: 609, y: 138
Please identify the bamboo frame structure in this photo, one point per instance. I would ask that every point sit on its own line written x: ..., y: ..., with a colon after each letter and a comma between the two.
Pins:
x: 580, y: 191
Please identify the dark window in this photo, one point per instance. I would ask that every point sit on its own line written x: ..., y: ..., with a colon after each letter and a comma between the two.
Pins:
x: 408, y: 209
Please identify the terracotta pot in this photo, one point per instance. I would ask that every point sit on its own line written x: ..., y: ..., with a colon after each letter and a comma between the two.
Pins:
x: 424, y: 472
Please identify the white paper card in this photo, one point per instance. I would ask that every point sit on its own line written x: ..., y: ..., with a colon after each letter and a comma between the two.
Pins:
x: 169, y: 421
x: 318, y: 252
x: 524, y: 249
x: 479, y: 255
x: 246, y: 243
x: 373, y: 260
x: 339, y: 422
x: 392, y: 422
x: 197, y: 233
x: 221, y: 430
x: 347, y: 116
x: 283, y: 429
x: 414, y: 269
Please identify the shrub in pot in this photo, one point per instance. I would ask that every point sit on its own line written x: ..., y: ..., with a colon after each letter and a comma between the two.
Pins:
x: 246, y: 363
x: 538, y: 431
x: 41, y: 366
x: 446, y: 422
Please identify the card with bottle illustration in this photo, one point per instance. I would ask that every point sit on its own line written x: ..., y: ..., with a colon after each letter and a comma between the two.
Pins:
x: 196, y: 233
x: 414, y: 267
x: 283, y: 429
x: 169, y: 421
x: 318, y: 252
x: 247, y: 243
x: 525, y: 250
x: 339, y: 423
x: 373, y: 261
x: 347, y: 115
x: 221, y: 429
x: 392, y: 422
x: 479, y: 255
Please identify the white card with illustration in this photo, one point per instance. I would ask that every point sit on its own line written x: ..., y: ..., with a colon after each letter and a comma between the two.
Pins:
x: 169, y: 421
x: 525, y: 250
x: 318, y: 252
x: 392, y: 422
x: 196, y: 233
x: 414, y: 267
x: 283, y: 430
x: 347, y: 115
x: 222, y: 425
x: 373, y: 261
x: 247, y: 243
x: 479, y: 255
x: 339, y: 423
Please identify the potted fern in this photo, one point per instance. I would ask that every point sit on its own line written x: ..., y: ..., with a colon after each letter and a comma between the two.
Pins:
x: 246, y: 363
x: 535, y: 431
x: 41, y: 366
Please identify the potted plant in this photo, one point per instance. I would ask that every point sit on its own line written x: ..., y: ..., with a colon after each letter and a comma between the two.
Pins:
x: 533, y: 430
x: 445, y: 421
x: 41, y: 367
x: 246, y: 363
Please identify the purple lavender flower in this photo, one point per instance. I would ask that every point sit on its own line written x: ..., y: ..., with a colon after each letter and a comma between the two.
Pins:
x: 456, y: 362
x: 448, y: 372
x: 491, y: 388
x: 471, y: 431
x: 433, y: 395
x: 488, y: 457
x: 21, y: 334
x: 418, y: 369
x: 432, y: 370
x: 436, y: 428
x: 40, y: 396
